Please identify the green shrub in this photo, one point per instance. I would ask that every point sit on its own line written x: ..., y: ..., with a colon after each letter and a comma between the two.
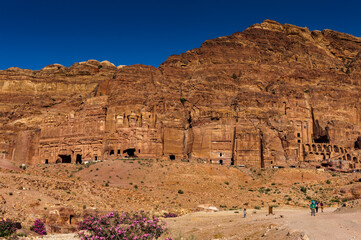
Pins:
x: 180, y: 191
x: 8, y: 227
x: 257, y: 207
x: 182, y: 100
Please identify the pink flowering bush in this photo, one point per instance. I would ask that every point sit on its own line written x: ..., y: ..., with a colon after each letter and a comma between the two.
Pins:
x: 39, y: 227
x: 170, y: 215
x: 127, y: 226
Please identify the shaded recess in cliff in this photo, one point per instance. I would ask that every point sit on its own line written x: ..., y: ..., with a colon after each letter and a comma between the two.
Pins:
x: 320, y: 135
x: 357, y: 144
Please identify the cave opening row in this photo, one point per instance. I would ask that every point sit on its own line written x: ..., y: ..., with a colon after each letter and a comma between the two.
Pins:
x: 64, y: 158
x: 221, y: 162
x: 130, y: 152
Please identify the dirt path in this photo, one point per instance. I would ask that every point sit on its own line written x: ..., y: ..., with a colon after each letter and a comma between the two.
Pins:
x: 68, y: 236
x: 285, y: 224
x: 61, y: 236
x: 324, y: 226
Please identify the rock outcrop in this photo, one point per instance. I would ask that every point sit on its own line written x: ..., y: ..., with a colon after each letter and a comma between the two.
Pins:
x: 272, y: 95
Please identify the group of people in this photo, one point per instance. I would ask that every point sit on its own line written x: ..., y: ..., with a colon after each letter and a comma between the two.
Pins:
x: 314, y: 207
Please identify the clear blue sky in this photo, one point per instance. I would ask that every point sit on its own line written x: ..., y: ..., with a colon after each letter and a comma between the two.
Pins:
x: 36, y: 33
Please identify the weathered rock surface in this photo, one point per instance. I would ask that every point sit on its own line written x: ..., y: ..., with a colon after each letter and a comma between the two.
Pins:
x: 272, y: 95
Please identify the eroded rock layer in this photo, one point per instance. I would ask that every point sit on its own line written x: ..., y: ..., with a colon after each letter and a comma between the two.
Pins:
x: 272, y: 95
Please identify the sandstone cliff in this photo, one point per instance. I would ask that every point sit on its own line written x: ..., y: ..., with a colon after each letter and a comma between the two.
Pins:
x: 272, y: 95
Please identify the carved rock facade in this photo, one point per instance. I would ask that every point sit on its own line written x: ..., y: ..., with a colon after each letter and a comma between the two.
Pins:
x: 272, y: 95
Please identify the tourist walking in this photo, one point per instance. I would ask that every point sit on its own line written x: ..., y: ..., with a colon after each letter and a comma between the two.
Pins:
x: 321, y: 204
x: 313, y: 208
x: 244, y: 213
x: 316, y: 204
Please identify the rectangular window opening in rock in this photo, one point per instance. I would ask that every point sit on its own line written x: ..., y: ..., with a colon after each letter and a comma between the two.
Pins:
x: 78, y: 158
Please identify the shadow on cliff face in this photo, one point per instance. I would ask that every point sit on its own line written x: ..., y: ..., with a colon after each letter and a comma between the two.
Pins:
x: 358, y: 143
x: 320, y: 135
x: 322, y: 139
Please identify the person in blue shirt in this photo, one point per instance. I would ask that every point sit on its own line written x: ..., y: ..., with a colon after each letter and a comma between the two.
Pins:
x: 313, y: 208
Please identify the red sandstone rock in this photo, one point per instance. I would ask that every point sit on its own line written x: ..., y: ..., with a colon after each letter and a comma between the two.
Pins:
x: 272, y: 95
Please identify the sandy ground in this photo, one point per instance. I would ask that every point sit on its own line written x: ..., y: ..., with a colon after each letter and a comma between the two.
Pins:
x: 69, y: 236
x: 181, y: 188
x: 324, y: 226
x: 285, y: 224
x: 295, y: 224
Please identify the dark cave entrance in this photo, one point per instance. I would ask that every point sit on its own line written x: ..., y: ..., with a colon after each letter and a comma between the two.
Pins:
x: 358, y: 143
x: 111, y: 152
x: 46, y: 161
x: 221, y: 162
x: 322, y: 139
x: 70, y: 218
x: 130, y: 152
x: 78, y: 159
x: 172, y: 157
x: 65, y: 158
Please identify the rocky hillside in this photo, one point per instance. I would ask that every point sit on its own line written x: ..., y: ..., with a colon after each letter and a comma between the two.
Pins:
x: 62, y: 194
